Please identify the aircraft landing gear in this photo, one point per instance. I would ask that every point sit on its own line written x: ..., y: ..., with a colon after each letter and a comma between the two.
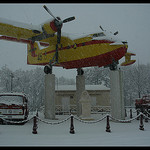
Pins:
x: 112, y: 66
x: 80, y: 71
x: 48, y: 69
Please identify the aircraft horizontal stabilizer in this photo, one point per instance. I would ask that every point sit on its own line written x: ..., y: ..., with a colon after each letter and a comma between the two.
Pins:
x: 128, y: 60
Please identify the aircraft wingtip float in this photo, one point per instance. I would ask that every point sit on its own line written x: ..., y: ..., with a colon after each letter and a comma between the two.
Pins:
x: 97, y: 49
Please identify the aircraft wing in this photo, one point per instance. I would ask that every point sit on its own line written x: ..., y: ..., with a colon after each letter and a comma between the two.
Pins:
x: 22, y: 32
x: 17, y: 30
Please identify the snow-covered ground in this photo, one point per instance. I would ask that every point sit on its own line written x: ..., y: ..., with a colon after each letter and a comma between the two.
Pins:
x: 122, y: 134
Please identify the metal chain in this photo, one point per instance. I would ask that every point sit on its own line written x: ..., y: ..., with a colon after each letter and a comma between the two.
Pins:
x: 90, y: 122
x: 125, y: 121
x: 53, y: 123
x: 147, y: 113
x: 146, y: 116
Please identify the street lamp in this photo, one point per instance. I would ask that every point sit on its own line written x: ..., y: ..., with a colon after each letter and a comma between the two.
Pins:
x: 11, y: 81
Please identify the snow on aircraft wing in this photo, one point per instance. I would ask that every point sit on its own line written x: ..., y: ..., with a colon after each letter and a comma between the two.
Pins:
x: 17, y: 29
x: 20, y: 30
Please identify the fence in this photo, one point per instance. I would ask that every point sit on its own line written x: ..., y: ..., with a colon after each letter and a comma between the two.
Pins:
x: 107, y: 117
x: 60, y: 110
x: 36, y: 118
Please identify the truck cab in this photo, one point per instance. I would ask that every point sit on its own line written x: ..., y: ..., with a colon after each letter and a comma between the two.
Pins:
x: 14, y: 106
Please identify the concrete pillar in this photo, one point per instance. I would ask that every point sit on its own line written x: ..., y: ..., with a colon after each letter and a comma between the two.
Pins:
x: 80, y: 87
x: 49, y: 96
x: 116, y: 94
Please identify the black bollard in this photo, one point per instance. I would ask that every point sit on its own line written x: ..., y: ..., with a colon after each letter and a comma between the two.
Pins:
x: 37, y: 113
x: 107, y: 125
x: 141, y: 122
x: 130, y: 112
x: 125, y: 112
x: 34, y: 125
x: 72, y: 126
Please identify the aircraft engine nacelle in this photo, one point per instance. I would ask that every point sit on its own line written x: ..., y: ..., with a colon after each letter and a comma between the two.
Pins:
x: 50, y: 27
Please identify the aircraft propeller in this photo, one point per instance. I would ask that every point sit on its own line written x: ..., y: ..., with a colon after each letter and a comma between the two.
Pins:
x: 58, y: 23
x: 105, y: 30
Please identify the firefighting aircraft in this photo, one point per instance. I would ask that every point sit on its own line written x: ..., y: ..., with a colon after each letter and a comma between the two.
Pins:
x: 45, y: 47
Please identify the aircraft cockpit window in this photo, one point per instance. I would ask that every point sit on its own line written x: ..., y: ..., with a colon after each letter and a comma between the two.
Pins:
x: 98, y: 34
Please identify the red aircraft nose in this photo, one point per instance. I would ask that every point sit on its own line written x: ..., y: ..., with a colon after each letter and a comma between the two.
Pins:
x: 55, y: 24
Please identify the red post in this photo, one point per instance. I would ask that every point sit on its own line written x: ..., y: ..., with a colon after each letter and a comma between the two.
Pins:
x: 34, y: 125
x: 107, y: 125
x: 72, y: 126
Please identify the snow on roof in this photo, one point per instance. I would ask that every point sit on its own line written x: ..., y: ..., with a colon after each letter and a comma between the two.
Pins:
x: 87, y: 87
x: 12, y: 93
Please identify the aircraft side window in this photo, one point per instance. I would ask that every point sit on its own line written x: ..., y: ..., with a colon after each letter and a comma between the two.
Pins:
x: 98, y: 34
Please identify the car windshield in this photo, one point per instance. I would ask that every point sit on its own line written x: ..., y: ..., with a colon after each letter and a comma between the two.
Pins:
x: 11, y: 99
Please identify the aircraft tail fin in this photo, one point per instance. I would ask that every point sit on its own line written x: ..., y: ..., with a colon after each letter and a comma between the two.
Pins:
x: 128, y: 60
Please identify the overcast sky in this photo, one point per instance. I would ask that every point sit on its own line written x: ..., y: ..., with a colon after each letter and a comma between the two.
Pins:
x: 131, y: 20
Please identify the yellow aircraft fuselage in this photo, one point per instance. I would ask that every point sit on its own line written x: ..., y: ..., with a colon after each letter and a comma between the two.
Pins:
x: 78, y: 53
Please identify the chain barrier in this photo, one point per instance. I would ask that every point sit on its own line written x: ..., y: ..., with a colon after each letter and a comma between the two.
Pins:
x: 125, y: 121
x: 147, y: 113
x: 36, y: 118
x: 53, y: 123
x: 76, y: 118
x: 146, y: 116
x: 91, y: 122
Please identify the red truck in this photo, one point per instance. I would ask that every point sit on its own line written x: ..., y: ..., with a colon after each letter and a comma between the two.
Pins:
x: 143, y: 102
x: 13, y: 106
